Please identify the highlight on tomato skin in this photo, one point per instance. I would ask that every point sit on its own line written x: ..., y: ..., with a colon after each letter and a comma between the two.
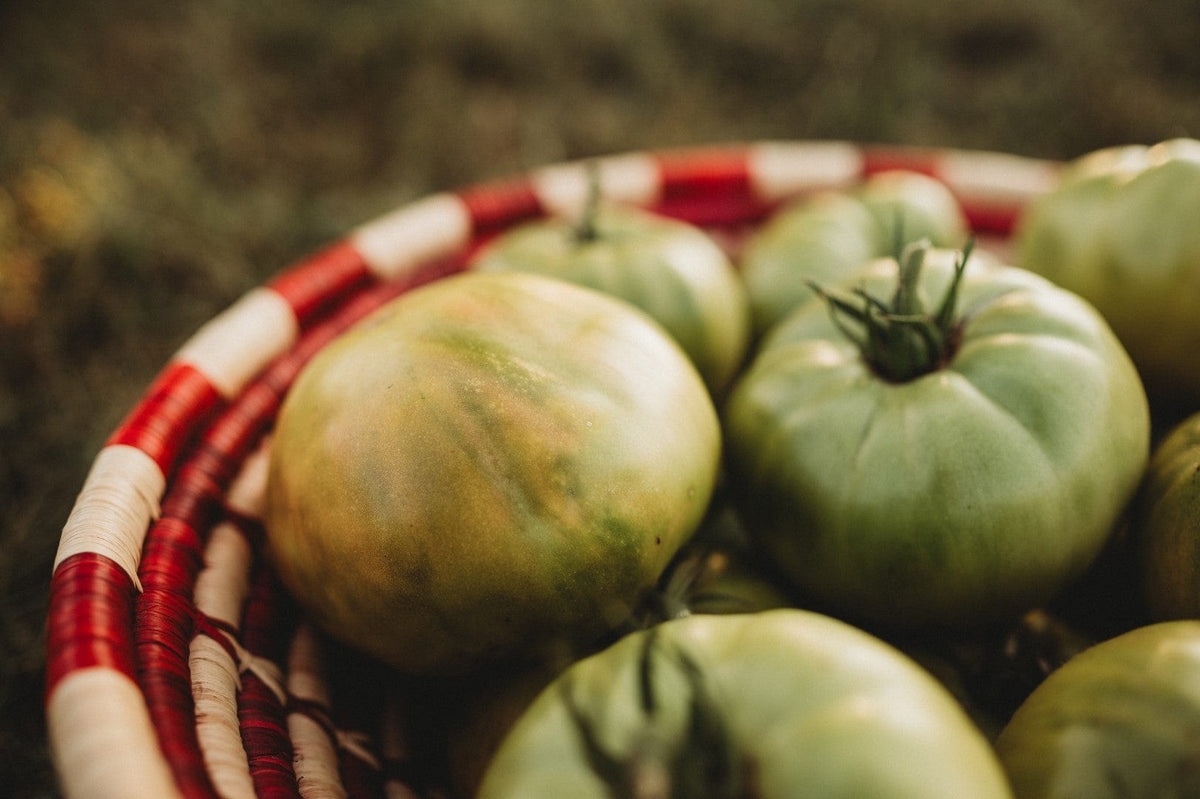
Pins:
x: 492, y: 464
x: 963, y: 493
x: 462, y: 719
x: 1119, y: 230
x: 1119, y: 719
x: 830, y: 234
x: 674, y: 271
x: 778, y: 703
x: 1164, y: 526
x: 897, y: 449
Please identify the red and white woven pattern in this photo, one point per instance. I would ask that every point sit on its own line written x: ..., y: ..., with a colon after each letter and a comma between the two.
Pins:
x: 176, y: 666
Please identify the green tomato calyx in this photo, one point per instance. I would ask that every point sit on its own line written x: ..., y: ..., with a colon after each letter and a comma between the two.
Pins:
x: 703, y: 764
x: 901, y: 340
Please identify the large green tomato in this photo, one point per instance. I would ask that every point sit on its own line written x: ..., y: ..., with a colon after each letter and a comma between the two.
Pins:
x: 831, y: 234
x: 1121, y: 719
x: 1120, y: 230
x: 670, y: 269
x: 1165, y: 525
x: 781, y: 703
x: 492, y: 463
x: 949, y: 467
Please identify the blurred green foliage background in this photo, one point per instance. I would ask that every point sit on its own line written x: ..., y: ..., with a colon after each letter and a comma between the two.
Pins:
x: 159, y: 159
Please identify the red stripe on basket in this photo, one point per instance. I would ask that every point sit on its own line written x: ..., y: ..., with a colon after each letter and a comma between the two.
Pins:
x: 883, y: 159
x: 999, y: 219
x: 165, y: 615
x: 165, y: 625
x: 199, y: 488
x: 268, y: 625
x: 711, y: 187
x: 265, y: 738
x: 219, y: 631
x: 90, y: 619
x: 170, y: 412
x: 262, y: 398
x: 317, y: 282
x: 499, y: 205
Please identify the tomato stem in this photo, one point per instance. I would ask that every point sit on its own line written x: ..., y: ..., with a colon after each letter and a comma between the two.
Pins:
x: 900, y: 340
x: 586, y: 229
x: 704, y: 763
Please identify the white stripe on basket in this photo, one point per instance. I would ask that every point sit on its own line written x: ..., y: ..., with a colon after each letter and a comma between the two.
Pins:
x: 779, y: 170
x: 118, y: 501
x: 220, y: 594
x: 215, y: 685
x: 996, y: 178
x: 413, y: 235
x: 102, y: 739
x: 245, y: 496
x: 237, y: 343
x: 315, y: 757
x: 633, y: 178
x: 222, y: 586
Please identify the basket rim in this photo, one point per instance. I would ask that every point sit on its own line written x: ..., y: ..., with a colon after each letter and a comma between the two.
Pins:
x: 125, y: 609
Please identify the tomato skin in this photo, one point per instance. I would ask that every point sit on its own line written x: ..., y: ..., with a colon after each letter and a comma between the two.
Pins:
x: 910, y: 206
x: 1119, y: 719
x: 821, y: 237
x: 489, y: 463
x: 960, y: 497
x: 831, y: 234
x: 1119, y: 230
x: 1165, y: 525
x: 670, y: 269
x: 716, y: 572
x: 815, y: 706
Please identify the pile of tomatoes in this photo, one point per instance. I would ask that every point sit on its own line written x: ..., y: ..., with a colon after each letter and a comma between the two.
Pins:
x: 859, y: 508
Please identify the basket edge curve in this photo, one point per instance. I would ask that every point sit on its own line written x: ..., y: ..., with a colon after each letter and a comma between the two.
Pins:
x: 419, y: 241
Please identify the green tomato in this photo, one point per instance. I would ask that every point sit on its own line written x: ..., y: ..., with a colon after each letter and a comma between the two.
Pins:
x: 957, y: 484
x: 1120, y: 230
x: 823, y: 237
x: 670, y: 269
x: 1120, y: 719
x: 782, y: 703
x: 910, y: 206
x: 1165, y: 525
x: 831, y: 234
x: 492, y: 463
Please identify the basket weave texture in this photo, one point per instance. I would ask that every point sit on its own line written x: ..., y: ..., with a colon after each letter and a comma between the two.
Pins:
x: 176, y: 665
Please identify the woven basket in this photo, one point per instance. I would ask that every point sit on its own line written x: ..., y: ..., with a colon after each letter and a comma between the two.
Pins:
x: 176, y: 665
